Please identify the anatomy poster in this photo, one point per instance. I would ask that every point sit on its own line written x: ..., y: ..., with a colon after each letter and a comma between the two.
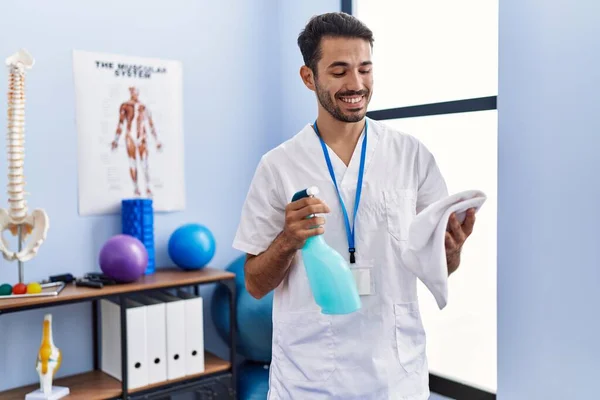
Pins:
x: 129, y: 116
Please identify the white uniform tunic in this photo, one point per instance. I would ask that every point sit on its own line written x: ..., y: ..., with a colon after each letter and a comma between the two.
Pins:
x: 379, y: 351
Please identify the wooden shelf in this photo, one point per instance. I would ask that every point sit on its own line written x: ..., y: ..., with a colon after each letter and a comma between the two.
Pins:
x: 162, y: 278
x: 96, y: 385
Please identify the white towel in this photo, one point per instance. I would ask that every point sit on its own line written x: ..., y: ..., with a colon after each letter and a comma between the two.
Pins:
x: 425, y: 255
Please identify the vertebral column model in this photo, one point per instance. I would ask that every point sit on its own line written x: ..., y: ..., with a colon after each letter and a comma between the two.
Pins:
x: 16, y: 217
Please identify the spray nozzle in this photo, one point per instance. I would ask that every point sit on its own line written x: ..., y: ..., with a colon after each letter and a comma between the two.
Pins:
x: 308, y: 192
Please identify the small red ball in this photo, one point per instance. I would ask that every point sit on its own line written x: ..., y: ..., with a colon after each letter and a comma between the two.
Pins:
x: 20, y: 288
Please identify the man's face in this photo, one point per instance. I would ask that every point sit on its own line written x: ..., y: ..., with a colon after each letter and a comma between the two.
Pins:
x: 344, y: 82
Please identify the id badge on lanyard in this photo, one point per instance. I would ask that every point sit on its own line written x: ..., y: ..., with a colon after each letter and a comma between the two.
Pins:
x: 362, y: 275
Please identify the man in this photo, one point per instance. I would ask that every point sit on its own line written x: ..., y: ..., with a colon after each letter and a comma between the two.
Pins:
x: 377, y: 352
x: 130, y: 112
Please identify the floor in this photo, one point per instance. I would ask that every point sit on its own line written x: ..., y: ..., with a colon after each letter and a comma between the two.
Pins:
x: 438, y: 397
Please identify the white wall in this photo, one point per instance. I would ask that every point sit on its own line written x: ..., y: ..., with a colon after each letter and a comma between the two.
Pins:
x: 548, y: 188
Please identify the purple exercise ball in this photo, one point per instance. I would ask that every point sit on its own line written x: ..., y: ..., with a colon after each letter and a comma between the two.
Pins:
x: 123, y: 258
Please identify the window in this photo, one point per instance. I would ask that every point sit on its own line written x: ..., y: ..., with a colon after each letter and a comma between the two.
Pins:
x: 435, y: 71
x: 431, y: 51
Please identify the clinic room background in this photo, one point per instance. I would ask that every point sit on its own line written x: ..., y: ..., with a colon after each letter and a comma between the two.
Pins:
x: 503, y: 93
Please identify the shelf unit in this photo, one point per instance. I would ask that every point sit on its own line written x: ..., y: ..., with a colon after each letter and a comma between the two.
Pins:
x: 216, y: 382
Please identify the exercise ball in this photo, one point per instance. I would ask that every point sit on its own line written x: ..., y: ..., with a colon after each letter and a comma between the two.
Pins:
x: 253, y: 381
x: 191, y: 246
x: 254, y: 317
x: 123, y: 258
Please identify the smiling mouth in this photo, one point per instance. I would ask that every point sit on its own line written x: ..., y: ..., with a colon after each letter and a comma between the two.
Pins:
x: 351, y: 99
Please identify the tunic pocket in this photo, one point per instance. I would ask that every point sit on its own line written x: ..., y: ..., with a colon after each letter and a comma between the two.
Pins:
x: 400, y: 208
x: 304, y: 347
x: 410, y: 336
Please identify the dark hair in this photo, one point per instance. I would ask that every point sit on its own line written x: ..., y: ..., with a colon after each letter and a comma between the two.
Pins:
x: 335, y: 24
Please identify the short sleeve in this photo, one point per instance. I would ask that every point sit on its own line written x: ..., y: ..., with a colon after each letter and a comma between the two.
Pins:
x: 263, y: 213
x: 432, y: 186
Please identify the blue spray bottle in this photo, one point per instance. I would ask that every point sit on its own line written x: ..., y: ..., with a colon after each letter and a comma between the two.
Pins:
x: 330, y: 278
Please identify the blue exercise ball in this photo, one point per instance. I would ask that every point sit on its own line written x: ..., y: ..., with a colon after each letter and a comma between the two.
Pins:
x: 254, y: 317
x: 253, y: 381
x: 191, y: 246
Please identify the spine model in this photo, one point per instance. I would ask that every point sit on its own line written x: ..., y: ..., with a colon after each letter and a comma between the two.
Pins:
x: 16, y: 141
x: 16, y: 218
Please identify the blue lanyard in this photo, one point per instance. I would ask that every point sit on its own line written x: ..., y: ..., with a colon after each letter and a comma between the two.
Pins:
x: 349, y: 231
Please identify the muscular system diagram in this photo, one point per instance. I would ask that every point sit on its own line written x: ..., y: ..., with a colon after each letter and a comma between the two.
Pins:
x: 136, y: 118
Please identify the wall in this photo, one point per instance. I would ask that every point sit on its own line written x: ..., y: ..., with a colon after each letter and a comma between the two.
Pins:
x: 231, y: 117
x: 299, y: 104
x: 548, y: 253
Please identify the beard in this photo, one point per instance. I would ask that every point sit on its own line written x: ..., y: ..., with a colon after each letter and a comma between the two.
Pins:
x: 328, y: 103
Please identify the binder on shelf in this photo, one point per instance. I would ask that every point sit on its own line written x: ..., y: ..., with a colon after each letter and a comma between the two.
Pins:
x: 156, y: 337
x: 110, y: 323
x: 175, y: 328
x: 194, y: 332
